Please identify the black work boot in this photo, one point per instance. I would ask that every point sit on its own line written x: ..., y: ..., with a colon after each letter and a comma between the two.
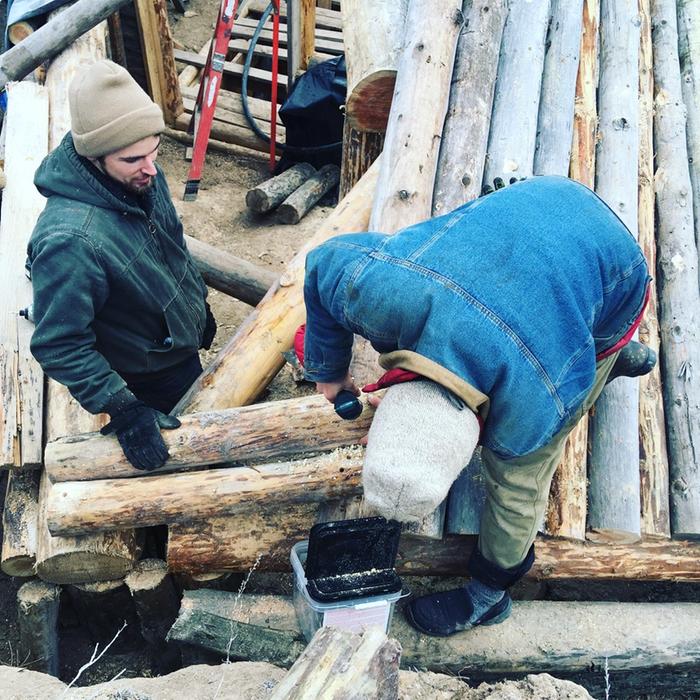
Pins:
x: 444, y: 614
x: 634, y: 360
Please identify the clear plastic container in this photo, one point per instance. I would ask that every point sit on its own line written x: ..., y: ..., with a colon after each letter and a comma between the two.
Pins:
x: 354, y: 615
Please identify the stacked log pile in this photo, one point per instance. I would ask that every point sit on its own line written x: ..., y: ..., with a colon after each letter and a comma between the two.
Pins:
x: 282, y: 465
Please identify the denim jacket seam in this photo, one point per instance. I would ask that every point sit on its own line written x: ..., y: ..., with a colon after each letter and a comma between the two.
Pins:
x: 489, y: 314
x: 626, y: 274
x: 451, y: 221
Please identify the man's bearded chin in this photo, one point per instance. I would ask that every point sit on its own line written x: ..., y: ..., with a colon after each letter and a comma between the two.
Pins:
x: 139, y: 189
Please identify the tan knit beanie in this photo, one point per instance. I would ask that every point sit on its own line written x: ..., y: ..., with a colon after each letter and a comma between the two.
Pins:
x: 109, y: 110
x: 421, y: 438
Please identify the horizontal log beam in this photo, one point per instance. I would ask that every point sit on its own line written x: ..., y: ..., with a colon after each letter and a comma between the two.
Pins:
x: 81, y: 507
x: 261, y: 432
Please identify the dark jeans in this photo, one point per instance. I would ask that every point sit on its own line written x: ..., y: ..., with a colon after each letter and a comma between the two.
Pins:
x: 162, y: 390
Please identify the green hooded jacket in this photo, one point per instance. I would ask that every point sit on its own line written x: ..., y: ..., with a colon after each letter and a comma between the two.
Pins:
x: 115, y: 289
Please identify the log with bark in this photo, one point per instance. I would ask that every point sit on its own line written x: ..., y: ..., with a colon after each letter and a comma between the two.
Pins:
x: 25, y: 129
x: 230, y: 274
x: 37, y: 616
x: 412, y: 145
x: 645, y: 642
x: 82, y: 507
x: 295, y: 207
x: 371, y: 59
x: 54, y: 36
x: 511, y: 146
x: 566, y: 512
x: 653, y: 454
x: 465, y: 134
x: 360, y: 150
x: 370, y: 667
x: 267, y: 195
x: 250, y: 360
x: 613, y: 464
x: 679, y: 300
x: 19, y: 522
x: 261, y: 432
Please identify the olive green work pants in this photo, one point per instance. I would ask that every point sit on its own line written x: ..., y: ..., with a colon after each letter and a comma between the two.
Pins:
x: 517, y: 490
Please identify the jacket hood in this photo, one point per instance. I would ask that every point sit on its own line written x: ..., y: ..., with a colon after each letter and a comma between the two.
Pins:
x: 66, y: 174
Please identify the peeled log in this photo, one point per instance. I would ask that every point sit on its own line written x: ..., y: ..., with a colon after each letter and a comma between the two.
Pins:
x: 679, y: 299
x: 19, y: 522
x: 412, y: 144
x: 373, y: 34
x: 653, y: 454
x: 229, y: 274
x: 466, y: 131
x: 80, y: 507
x: 651, y: 643
x: 264, y: 431
x: 370, y: 668
x: 613, y: 464
x: 566, y: 512
x: 249, y: 361
x: 511, y: 150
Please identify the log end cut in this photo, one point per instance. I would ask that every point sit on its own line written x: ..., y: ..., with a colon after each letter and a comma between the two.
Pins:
x: 367, y: 108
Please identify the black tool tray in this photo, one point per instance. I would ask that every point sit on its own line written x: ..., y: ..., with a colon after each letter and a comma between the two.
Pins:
x: 352, y: 559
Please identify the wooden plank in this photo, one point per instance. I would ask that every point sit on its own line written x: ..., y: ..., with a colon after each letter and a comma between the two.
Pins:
x: 329, y: 45
x: 26, y: 126
x: 157, y: 52
x: 230, y: 68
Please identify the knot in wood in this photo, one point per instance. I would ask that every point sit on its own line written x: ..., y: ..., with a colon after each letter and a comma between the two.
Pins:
x: 620, y: 124
x: 404, y: 195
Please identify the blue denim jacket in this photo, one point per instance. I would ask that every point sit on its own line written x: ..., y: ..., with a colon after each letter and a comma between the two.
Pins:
x: 515, y: 293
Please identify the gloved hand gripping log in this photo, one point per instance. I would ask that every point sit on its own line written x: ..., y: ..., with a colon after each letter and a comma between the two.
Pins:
x: 511, y: 313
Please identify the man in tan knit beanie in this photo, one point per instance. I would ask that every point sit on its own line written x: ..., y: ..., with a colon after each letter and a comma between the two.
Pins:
x: 119, y: 305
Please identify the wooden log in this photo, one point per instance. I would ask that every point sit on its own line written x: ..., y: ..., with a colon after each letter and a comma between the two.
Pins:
x: 629, y: 633
x: 19, y: 523
x: 555, y: 121
x: 371, y: 59
x: 295, y: 207
x: 466, y: 499
x: 244, y: 367
x: 370, y: 668
x: 21, y: 30
x: 678, y: 277
x: 155, y: 599
x: 613, y: 464
x: 360, y: 150
x: 653, y: 454
x: 80, y: 507
x: 689, y: 56
x: 466, y: 130
x: 53, y: 37
x: 566, y: 511
x: 511, y: 150
x: 261, y: 432
x: 37, y: 615
x: 102, y: 609
x: 190, y: 75
x: 412, y: 145
x: 159, y: 63
x: 209, y: 615
x: 225, y: 544
x: 230, y: 274
x: 21, y: 379
x: 268, y: 194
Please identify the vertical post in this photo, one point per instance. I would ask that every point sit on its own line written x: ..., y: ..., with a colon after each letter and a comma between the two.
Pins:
x: 301, y: 36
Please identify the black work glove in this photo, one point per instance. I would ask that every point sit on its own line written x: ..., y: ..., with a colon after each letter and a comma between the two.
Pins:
x: 499, y: 184
x: 137, y: 428
x: 209, y: 329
